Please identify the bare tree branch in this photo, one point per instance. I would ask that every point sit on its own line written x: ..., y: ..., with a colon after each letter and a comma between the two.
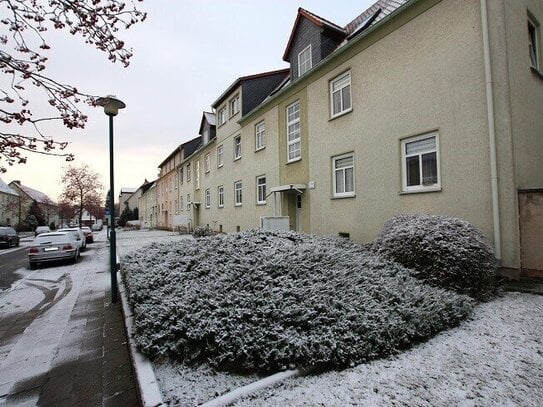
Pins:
x: 23, y: 28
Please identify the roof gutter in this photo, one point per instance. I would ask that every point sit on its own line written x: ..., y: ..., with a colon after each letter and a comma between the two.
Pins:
x: 491, y: 132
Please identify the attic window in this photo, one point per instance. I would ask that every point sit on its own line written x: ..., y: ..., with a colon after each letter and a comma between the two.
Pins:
x: 305, y: 62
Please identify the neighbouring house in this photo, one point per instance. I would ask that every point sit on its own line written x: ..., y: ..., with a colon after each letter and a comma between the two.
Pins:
x: 9, y: 205
x: 29, y: 196
x: 431, y: 106
x: 147, y: 204
x: 124, y: 197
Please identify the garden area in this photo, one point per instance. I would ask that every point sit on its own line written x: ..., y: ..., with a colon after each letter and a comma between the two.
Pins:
x: 216, y: 313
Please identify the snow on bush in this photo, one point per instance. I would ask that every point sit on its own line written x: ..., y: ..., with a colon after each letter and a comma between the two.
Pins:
x: 201, y: 231
x: 263, y: 300
x: 444, y: 251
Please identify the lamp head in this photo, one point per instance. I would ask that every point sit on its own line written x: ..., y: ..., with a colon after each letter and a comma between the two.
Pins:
x: 110, y: 104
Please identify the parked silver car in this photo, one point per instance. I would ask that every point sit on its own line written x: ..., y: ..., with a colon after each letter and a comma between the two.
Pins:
x: 89, y: 237
x: 79, y: 236
x: 53, y: 246
x: 41, y: 229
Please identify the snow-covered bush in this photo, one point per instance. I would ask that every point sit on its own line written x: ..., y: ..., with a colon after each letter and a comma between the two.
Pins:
x: 267, y: 300
x: 201, y: 231
x: 444, y: 251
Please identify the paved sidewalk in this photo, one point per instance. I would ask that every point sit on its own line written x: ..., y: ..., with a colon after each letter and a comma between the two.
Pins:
x: 68, y: 347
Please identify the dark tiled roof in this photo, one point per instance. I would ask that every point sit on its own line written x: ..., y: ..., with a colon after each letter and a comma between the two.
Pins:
x: 386, y: 6
x: 238, y: 81
x: 209, y: 117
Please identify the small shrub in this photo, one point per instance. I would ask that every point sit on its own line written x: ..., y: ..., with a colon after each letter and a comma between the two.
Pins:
x: 269, y: 300
x: 201, y: 231
x: 444, y: 251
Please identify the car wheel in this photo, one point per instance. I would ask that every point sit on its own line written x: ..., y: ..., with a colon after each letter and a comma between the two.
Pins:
x: 33, y: 266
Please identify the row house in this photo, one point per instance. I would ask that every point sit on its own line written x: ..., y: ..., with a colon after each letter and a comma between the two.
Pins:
x: 29, y: 196
x: 9, y: 205
x: 431, y: 106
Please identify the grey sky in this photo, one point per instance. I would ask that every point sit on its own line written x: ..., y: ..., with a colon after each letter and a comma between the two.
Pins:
x: 185, y: 55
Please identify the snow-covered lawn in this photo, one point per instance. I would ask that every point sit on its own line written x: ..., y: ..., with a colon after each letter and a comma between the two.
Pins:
x: 493, y: 358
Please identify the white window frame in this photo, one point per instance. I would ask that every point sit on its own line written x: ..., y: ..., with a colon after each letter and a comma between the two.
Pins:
x: 234, y: 105
x: 297, y: 140
x: 206, y: 163
x: 220, y: 156
x: 197, y: 174
x: 238, y: 193
x: 345, y: 193
x: 206, y: 136
x: 237, y: 147
x: 221, y: 116
x: 261, y: 190
x: 343, y: 110
x: 533, y: 43
x: 207, y: 198
x: 189, y: 203
x: 421, y: 186
x: 260, y: 136
x: 220, y: 196
x: 307, y: 64
x: 188, y: 173
x: 181, y: 204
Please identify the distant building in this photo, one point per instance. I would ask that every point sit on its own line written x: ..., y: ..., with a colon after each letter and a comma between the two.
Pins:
x: 9, y: 205
x: 28, y: 196
x: 124, y: 196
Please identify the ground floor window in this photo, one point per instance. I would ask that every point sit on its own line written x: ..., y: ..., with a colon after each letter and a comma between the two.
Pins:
x: 261, y: 190
x: 220, y: 194
x: 420, y: 156
x: 207, y: 198
x: 343, y: 177
x: 238, y: 198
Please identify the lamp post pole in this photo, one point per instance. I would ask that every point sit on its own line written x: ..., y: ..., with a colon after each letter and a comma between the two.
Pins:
x: 112, y: 237
x: 111, y: 108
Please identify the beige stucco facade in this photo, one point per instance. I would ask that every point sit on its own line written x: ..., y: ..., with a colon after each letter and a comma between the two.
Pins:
x: 421, y: 71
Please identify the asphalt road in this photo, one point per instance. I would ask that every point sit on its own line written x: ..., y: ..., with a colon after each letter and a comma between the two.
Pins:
x: 10, y: 261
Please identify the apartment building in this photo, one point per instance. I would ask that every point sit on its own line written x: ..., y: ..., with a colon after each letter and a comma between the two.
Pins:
x: 431, y: 106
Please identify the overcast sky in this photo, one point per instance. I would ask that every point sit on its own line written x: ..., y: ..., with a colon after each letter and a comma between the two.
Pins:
x: 185, y: 55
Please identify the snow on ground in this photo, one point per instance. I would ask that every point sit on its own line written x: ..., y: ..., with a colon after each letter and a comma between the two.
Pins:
x: 495, y: 358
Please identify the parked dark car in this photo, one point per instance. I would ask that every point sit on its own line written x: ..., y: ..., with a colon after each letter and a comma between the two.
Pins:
x: 8, y: 237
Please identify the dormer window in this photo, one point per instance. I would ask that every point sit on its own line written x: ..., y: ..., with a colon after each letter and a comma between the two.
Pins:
x: 222, y: 116
x: 206, y: 136
x: 234, y: 106
x: 305, y: 62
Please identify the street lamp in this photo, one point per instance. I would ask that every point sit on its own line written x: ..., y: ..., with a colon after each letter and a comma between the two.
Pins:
x: 111, y: 107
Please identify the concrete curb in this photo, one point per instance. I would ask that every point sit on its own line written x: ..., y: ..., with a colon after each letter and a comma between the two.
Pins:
x: 149, y: 393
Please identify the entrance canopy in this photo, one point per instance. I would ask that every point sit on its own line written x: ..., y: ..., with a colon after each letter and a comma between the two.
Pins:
x: 299, y: 188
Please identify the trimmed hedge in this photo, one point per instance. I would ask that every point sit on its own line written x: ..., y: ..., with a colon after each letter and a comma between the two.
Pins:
x: 263, y: 301
x: 443, y: 251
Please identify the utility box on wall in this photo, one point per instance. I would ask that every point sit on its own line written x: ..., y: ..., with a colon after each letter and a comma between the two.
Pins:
x: 274, y: 223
